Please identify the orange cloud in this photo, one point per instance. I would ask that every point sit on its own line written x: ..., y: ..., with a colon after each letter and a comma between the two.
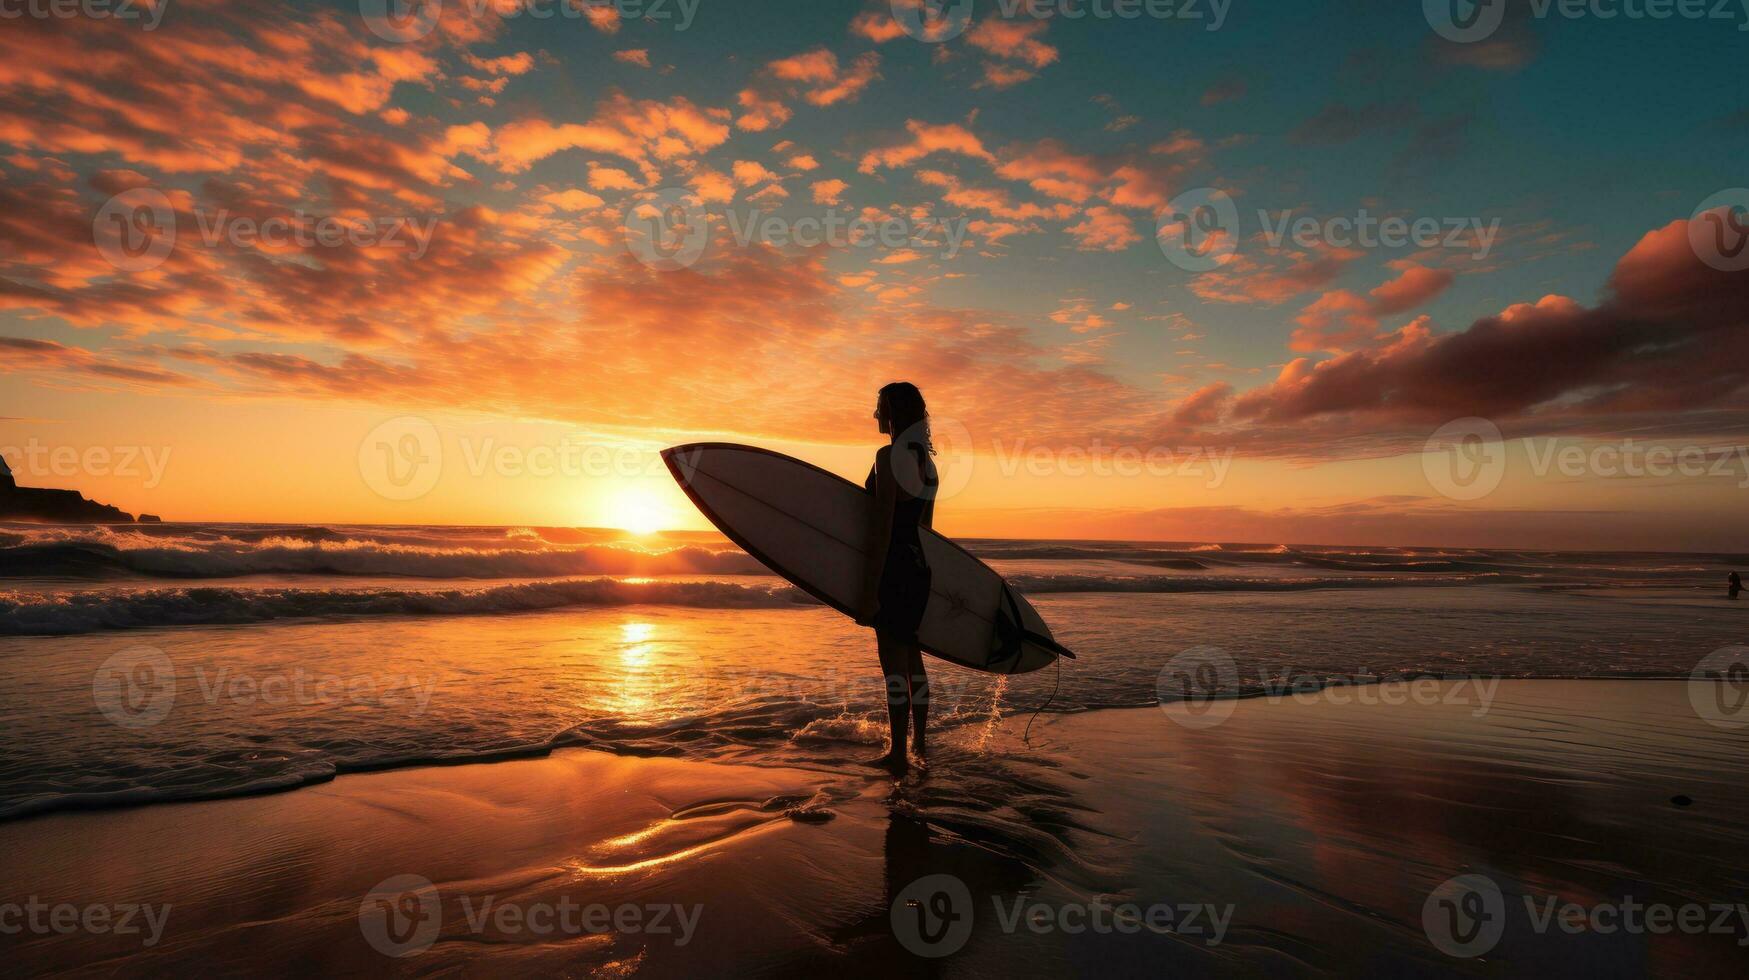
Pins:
x: 925, y: 140
x: 1669, y: 339
x: 823, y: 82
x: 642, y: 131
x: 878, y: 26
x: 1016, y: 40
x: 1104, y: 230
x: 1339, y: 320
x: 1273, y: 275
x: 759, y: 113
x: 1205, y: 406
x: 829, y: 191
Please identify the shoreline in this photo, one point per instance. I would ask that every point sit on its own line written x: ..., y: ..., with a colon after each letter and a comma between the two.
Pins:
x: 1325, y: 827
x: 141, y: 797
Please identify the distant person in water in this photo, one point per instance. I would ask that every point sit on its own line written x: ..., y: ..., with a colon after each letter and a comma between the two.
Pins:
x: 896, y: 578
x: 1734, y: 584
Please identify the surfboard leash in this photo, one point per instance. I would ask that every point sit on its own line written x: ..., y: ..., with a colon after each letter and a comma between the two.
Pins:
x: 1026, y: 736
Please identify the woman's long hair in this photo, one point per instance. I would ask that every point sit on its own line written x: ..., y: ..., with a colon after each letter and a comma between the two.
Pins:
x: 907, y: 416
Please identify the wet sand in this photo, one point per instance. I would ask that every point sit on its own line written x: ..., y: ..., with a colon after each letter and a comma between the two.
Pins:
x: 1300, y: 836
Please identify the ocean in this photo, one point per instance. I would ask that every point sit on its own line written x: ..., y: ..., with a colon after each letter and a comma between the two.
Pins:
x: 151, y: 663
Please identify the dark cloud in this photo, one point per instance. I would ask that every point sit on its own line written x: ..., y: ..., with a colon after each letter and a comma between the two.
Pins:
x: 1672, y: 337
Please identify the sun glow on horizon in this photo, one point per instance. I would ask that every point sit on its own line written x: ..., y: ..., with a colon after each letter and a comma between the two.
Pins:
x: 639, y: 513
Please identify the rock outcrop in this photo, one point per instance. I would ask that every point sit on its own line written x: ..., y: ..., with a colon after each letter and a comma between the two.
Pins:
x: 52, y: 506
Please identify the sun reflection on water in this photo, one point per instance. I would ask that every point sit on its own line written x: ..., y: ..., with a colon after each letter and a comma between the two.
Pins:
x: 636, y: 691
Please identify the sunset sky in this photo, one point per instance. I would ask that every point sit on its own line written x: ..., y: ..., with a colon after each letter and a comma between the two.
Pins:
x: 271, y: 381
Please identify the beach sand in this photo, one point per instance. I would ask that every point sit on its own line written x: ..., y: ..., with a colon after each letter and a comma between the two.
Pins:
x: 1299, y: 835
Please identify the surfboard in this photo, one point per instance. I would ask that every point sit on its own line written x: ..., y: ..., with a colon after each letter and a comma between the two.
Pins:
x: 810, y: 525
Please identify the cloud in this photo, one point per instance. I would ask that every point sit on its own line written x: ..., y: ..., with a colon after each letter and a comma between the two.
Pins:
x: 999, y: 76
x: 750, y: 172
x: 604, y: 17
x: 1339, y: 320
x: 1227, y: 90
x: 829, y: 191
x: 634, y: 56
x: 1273, y: 275
x: 1205, y: 406
x: 644, y: 132
x: 1415, y: 286
x: 103, y: 369
x: 820, y: 78
x: 612, y: 179
x: 994, y: 201
x: 760, y: 113
x: 177, y: 105
x: 1017, y: 44
x: 1143, y: 181
x: 265, y: 112
x: 1016, y: 40
x: 879, y: 25
x: 1669, y: 339
x: 994, y: 232
x: 573, y: 199
x: 1368, y: 521
x: 712, y: 186
x: 1104, y: 230
x: 925, y: 140
x: 1078, y: 315
x: 1119, y: 121
x: 337, y: 289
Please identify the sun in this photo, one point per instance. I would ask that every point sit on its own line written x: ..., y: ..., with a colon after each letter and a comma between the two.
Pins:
x: 636, y: 512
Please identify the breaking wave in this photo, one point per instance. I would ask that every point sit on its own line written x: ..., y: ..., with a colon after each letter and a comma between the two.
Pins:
x: 219, y: 552
x: 68, y: 613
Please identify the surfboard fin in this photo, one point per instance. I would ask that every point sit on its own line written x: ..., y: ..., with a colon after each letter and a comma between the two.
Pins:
x: 1011, y: 632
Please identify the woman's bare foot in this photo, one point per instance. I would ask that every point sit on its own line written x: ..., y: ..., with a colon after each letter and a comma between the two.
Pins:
x: 893, y: 762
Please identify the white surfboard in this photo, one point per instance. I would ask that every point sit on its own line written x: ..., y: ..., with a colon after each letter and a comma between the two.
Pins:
x: 810, y: 526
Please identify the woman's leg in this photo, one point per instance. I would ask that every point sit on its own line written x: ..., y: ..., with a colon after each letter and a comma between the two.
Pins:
x: 897, y: 689
x: 919, y: 697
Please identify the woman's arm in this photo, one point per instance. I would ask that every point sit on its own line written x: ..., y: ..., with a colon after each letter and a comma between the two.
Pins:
x: 880, y: 533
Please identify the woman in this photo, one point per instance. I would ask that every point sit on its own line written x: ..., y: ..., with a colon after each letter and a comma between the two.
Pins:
x: 896, y: 577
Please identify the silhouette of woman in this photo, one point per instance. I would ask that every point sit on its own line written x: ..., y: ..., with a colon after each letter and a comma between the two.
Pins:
x: 1734, y: 584
x: 896, y: 576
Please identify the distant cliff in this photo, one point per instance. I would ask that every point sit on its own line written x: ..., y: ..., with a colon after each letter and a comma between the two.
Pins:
x: 53, y: 506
